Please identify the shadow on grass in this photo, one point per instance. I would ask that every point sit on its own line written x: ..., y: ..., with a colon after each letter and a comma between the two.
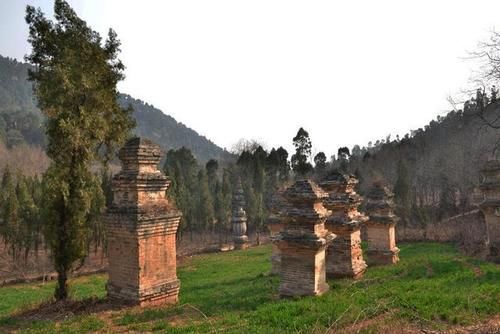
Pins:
x: 55, y: 311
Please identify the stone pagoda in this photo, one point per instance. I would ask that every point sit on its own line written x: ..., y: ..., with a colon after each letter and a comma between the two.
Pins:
x: 275, y: 224
x: 344, y: 257
x: 141, y: 229
x: 239, y: 217
x: 380, y: 227
x: 490, y: 206
x: 303, y: 241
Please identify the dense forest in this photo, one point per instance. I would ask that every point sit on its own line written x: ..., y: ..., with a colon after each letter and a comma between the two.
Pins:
x: 22, y: 123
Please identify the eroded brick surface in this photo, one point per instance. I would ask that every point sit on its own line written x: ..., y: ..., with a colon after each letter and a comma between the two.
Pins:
x: 141, y: 228
x: 344, y: 257
x: 380, y: 227
x: 302, y: 241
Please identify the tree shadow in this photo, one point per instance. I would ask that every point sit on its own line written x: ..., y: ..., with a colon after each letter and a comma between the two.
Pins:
x: 63, y: 310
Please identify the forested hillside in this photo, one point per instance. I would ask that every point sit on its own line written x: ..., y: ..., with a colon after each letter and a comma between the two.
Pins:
x: 21, y: 121
x: 152, y: 123
x: 435, y: 171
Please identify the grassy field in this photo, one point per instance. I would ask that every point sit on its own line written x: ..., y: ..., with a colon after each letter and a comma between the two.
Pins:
x: 433, y: 287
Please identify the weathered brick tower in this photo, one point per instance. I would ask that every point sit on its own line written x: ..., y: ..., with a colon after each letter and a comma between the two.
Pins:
x: 141, y: 229
x: 380, y: 226
x: 490, y: 206
x: 344, y: 256
x: 239, y: 217
x: 303, y: 241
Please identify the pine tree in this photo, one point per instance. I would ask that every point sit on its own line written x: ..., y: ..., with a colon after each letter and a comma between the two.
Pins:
x: 320, y: 162
x: 402, y: 191
x: 75, y: 79
x: 300, y: 160
x: 205, y: 212
x: 6, y: 181
x: 181, y: 166
x: 10, y: 216
x: 28, y: 214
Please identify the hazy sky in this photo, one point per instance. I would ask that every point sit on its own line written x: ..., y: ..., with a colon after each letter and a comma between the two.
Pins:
x: 347, y: 71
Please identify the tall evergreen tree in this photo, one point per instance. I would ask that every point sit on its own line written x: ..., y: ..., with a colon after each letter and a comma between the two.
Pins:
x: 284, y: 166
x: 205, y: 212
x: 300, y: 160
x: 181, y: 167
x: 402, y: 191
x: 75, y: 79
x: 10, y: 216
x: 320, y: 162
x: 28, y: 214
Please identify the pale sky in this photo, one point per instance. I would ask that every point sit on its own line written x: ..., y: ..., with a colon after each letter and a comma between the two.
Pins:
x: 349, y: 72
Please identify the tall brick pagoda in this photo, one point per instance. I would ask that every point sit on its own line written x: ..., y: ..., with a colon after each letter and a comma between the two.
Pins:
x: 239, y: 217
x: 141, y: 229
x: 303, y: 241
x: 380, y: 227
x: 344, y: 256
x: 490, y: 206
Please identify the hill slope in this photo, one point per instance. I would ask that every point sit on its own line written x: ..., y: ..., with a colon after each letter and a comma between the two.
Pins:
x: 21, y: 120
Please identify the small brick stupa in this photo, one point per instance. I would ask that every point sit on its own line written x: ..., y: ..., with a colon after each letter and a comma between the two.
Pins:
x: 380, y: 227
x: 344, y: 256
x: 239, y: 217
x: 490, y: 206
x: 303, y: 241
x: 275, y: 224
x: 141, y: 228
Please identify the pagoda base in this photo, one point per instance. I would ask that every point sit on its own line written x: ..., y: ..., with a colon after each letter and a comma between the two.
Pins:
x: 344, y: 258
x: 275, y: 260
x: 162, y: 294
x: 383, y: 257
x: 354, y: 272
x: 493, y: 253
x: 241, y: 242
x: 302, y: 273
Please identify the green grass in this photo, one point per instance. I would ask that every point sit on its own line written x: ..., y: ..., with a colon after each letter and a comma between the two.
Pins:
x: 432, y: 286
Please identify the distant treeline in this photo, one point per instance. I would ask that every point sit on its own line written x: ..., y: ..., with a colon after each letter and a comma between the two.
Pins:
x: 204, y: 194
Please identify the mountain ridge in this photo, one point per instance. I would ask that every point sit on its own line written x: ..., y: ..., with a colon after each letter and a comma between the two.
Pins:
x: 22, y: 122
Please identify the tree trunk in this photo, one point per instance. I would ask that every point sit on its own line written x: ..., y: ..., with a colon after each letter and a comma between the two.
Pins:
x: 61, y: 292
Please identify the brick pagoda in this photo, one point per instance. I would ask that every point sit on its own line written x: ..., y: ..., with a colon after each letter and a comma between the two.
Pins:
x: 380, y: 227
x: 303, y: 241
x: 141, y: 229
x: 344, y: 256
x: 490, y: 206
x: 239, y: 217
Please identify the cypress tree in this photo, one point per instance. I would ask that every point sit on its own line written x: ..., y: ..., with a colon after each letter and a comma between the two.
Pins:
x: 402, y: 191
x: 75, y: 79
x: 28, y: 215
x: 205, y: 216
x: 300, y: 160
x: 10, y: 215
